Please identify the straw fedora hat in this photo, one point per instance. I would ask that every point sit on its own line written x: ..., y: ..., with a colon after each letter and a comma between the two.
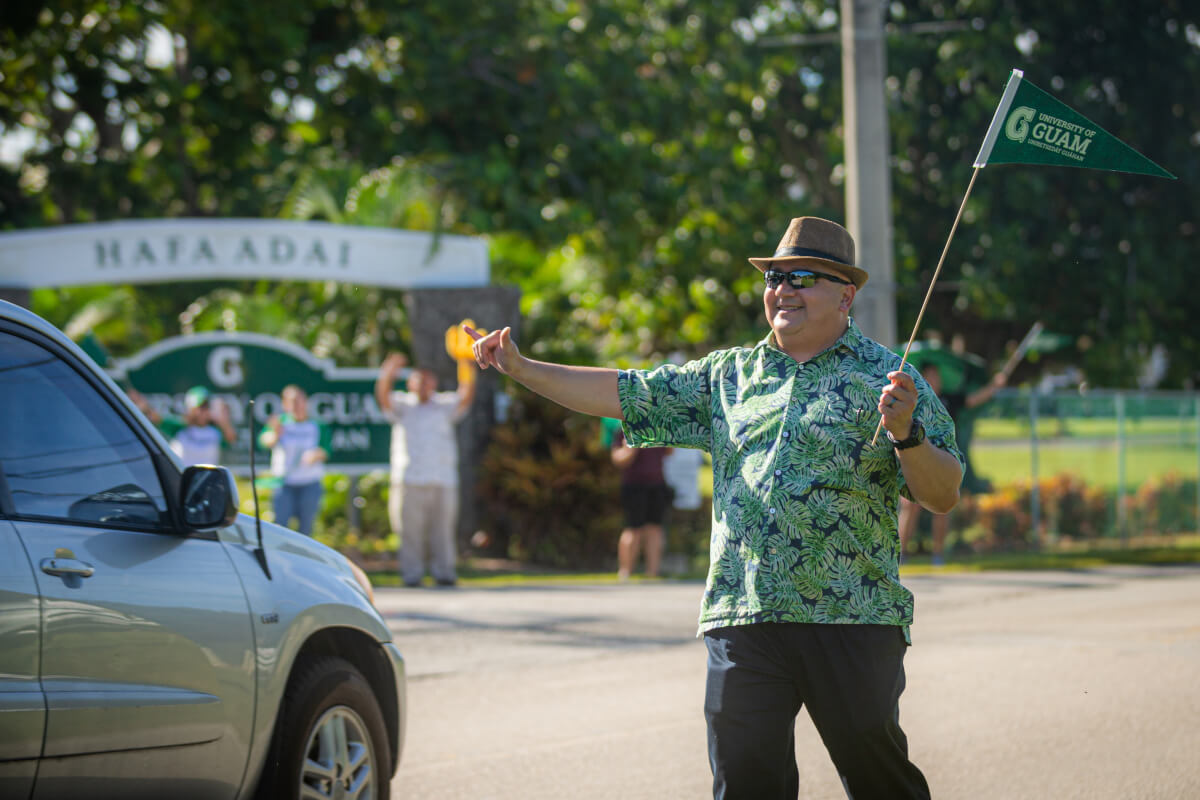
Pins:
x: 818, y: 243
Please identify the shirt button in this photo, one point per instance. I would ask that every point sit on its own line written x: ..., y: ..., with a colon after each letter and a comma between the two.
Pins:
x: 771, y: 511
x: 785, y: 434
x: 778, y: 472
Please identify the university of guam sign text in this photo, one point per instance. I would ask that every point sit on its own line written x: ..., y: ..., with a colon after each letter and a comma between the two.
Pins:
x: 239, y: 367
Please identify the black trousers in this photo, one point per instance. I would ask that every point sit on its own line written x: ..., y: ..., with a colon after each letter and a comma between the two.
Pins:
x: 849, y: 676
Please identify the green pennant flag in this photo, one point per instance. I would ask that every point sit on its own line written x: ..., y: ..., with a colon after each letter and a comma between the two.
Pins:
x: 1031, y: 127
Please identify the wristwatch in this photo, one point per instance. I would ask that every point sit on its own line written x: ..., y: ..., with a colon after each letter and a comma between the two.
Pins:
x: 916, y: 435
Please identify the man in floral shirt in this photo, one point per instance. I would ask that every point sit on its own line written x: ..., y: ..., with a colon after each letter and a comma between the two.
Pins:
x: 803, y: 603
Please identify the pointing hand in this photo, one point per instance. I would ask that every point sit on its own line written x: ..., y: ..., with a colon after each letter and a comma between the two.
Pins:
x: 496, y: 349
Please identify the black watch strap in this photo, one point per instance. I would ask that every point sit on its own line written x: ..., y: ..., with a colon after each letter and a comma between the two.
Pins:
x: 916, y: 435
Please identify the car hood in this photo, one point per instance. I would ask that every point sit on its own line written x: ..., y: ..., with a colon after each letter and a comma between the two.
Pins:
x: 281, y: 542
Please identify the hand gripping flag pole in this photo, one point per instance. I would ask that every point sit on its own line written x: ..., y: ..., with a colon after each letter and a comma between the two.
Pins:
x: 1031, y: 127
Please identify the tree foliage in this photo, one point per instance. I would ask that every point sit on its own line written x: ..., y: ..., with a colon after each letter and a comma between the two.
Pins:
x: 1090, y: 253
x: 623, y: 158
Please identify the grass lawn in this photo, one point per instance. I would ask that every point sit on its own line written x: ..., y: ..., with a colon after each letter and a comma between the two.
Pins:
x: 1017, y: 428
x: 1094, y: 461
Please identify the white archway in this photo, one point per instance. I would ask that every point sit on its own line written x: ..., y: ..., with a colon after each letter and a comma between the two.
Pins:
x: 165, y: 250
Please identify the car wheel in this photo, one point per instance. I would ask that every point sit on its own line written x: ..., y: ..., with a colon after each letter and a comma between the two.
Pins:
x: 330, y: 740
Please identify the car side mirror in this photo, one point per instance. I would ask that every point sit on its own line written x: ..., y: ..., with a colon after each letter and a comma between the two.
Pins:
x: 209, y: 497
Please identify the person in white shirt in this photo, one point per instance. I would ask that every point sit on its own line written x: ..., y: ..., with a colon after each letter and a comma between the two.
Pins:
x: 423, y: 497
x: 681, y: 469
x: 299, y: 447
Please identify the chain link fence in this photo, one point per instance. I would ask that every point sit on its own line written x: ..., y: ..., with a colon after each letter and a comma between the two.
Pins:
x: 1088, y: 465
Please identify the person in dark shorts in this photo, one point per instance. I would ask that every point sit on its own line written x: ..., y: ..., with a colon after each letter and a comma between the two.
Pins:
x: 645, y: 498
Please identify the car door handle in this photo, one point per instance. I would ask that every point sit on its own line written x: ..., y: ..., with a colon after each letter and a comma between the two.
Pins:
x: 67, y: 566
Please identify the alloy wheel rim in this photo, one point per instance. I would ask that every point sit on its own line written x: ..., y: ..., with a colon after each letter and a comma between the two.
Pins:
x: 337, y: 758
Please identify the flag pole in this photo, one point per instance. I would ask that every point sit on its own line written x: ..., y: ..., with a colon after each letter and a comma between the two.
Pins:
x: 1016, y: 129
x: 929, y: 293
x: 1022, y: 348
x: 981, y: 160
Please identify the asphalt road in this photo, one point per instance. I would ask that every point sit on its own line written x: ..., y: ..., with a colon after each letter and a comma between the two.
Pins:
x: 1082, y: 684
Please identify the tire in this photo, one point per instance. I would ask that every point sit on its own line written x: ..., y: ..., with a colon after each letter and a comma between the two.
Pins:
x: 329, y: 731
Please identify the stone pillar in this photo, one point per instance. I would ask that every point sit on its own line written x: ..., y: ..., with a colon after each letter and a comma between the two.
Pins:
x: 14, y: 295
x: 430, y: 313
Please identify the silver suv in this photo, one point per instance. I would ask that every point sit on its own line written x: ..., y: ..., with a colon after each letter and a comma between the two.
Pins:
x: 151, y: 645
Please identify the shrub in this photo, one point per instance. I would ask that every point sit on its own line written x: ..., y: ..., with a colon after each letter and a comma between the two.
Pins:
x: 372, y: 536
x: 1005, y: 519
x: 550, y: 490
x: 552, y: 494
x: 1068, y: 507
x: 1163, y: 504
x: 1071, y: 508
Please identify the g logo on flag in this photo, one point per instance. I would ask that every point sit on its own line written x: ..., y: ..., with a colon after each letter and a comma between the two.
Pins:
x: 1017, y: 126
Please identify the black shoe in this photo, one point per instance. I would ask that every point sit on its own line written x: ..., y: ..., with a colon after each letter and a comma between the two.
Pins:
x: 445, y: 582
x: 413, y: 584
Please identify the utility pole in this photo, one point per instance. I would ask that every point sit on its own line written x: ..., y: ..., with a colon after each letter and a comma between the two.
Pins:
x: 868, y: 175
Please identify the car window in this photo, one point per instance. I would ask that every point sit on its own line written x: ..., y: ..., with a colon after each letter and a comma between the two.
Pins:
x: 64, y: 451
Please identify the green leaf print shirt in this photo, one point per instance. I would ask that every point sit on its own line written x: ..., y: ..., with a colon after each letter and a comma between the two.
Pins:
x: 804, y: 507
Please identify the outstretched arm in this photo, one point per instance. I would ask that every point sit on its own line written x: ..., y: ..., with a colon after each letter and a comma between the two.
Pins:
x: 270, y: 432
x: 224, y: 420
x: 144, y: 406
x: 466, y: 392
x: 985, y: 393
x: 590, y: 390
x: 387, y: 379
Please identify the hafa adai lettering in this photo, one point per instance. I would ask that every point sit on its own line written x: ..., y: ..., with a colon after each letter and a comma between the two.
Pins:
x: 180, y: 250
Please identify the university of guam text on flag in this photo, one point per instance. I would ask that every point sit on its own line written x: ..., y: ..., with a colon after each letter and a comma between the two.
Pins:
x: 1031, y: 127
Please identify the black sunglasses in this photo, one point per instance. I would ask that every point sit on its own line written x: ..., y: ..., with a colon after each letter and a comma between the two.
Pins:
x: 800, y: 279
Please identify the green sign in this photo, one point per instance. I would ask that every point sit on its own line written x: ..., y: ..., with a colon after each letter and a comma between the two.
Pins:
x: 238, y: 368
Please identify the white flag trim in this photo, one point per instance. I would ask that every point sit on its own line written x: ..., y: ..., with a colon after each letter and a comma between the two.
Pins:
x: 1006, y: 101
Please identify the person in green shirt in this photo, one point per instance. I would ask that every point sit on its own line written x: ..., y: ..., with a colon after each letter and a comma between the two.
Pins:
x: 299, y: 446
x: 200, y: 434
x: 803, y: 605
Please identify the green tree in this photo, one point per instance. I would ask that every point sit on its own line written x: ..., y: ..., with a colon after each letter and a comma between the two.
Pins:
x: 625, y: 157
x: 1091, y: 253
